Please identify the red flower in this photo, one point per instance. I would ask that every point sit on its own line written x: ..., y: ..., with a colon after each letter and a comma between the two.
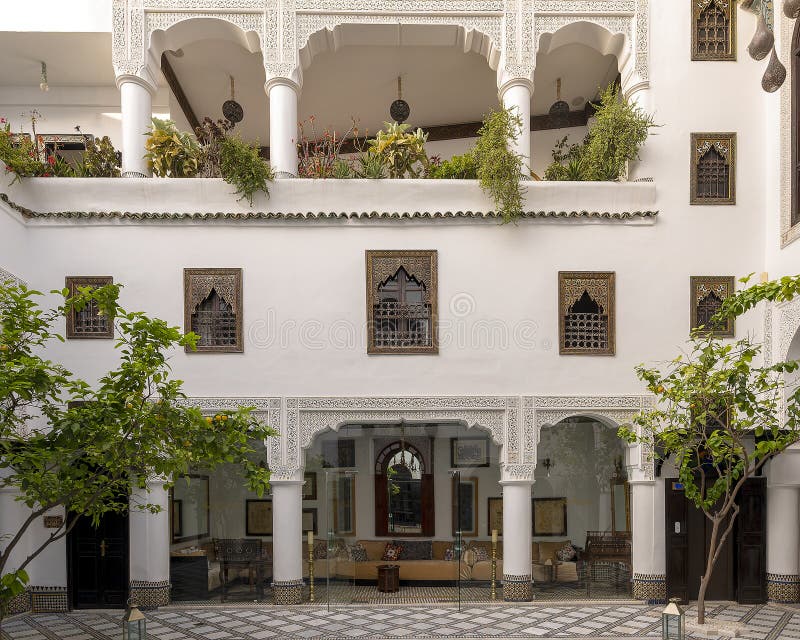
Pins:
x: 51, y: 160
x: 46, y: 175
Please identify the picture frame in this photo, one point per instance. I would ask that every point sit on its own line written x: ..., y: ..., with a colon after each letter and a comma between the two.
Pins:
x: 339, y: 454
x: 344, y: 504
x: 494, y: 516
x: 310, y: 485
x: 309, y: 521
x: 549, y: 516
x: 258, y: 517
x: 177, y: 518
x: 465, y: 507
x: 469, y: 452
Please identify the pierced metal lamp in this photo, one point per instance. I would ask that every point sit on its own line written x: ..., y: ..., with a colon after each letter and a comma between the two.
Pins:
x: 559, y: 110
x: 231, y: 109
x: 399, y: 109
x: 673, y: 622
x: 134, y: 624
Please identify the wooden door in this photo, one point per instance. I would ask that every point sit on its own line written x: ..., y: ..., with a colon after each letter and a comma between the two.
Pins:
x: 677, y: 542
x: 98, y: 563
x: 752, y: 543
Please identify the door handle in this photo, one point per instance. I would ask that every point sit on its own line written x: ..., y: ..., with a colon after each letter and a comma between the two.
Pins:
x: 102, y: 548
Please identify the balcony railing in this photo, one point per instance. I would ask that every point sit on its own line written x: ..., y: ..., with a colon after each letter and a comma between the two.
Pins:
x: 212, y: 199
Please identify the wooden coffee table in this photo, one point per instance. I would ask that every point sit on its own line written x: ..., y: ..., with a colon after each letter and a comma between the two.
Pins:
x: 388, y: 578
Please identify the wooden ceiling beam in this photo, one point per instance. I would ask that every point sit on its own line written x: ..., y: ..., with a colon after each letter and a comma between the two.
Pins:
x: 177, y: 91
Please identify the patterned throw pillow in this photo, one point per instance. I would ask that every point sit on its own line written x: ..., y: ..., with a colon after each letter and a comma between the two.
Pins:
x: 448, y: 554
x: 415, y: 549
x: 320, y: 550
x: 392, y: 552
x: 356, y: 553
x: 481, y: 553
x: 566, y: 553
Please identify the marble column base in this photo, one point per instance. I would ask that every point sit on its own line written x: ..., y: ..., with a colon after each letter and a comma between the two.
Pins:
x: 783, y: 588
x: 288, y: 592
x: 650, y: 587
x: 517, y: 588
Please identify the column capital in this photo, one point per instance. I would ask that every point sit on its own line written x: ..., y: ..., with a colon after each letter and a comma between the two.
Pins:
x: 517, y: 474
x: 508, y: 83
x: 126, y: 78
x: 280, y: 81
x: 285, y: 482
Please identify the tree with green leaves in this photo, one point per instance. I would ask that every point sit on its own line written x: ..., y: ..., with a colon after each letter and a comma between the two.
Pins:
x: 722, y: 413
x: 80, y: 449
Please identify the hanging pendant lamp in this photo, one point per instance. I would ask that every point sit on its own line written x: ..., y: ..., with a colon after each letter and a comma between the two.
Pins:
x: 774, y: 75
x: 399, y: 109
x: 791, y: 9
x: 559, y: 111
x: 231, y: 109
x: 762, y: 41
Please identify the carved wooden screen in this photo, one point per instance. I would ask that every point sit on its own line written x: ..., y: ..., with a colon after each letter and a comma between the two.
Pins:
x: 401, y: 302
x: 88, y: 322
x: 586, y: 312
x: 713, y: 29
x: 213, y: 308
x: 707, y: 294
x: 713, y: 168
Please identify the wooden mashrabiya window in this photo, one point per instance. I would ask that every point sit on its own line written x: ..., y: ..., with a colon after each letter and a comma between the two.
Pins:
x: 713, y: 168
x: 213, y: 309
x: 586, y: 313
x: 713, y: 30
x: 707, y: 295
x: 88, y: 322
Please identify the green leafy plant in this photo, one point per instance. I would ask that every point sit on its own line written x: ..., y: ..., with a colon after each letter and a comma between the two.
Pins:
x: 171, y: 153
x: 243, y: 167
x: 210, y: 135
x: 401, y: 151
x: 370, y: 165
x: 19, y: 155
x: 100, y: 160
x: 499, y: 168
x: 718, y: 416
x: 568, y: 161
x: 463, y: 167
x: 320, y: 156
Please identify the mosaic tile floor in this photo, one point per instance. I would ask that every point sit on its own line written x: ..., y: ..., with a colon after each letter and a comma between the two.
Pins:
x: 620, y: 620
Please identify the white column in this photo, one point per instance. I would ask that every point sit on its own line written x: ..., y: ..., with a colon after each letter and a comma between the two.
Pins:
x: 149, y: 545
x: 517, y: 540
x: 136, y: 97
x: 648, y: 539
x: 783, y: 543
x: 283, y: 94
x: 515, y: 94
x: 287, y: 541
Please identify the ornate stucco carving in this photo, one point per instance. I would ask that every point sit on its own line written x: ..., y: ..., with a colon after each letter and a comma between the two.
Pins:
x: 284, y: 28
x: 5, y: 276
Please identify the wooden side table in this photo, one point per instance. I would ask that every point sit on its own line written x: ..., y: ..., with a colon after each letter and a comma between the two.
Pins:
x: 388, y: 578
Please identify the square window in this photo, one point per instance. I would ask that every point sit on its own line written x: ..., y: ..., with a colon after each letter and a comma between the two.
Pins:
x: 87, y: 322
x: 713, y: 30
x: 713, y: 168
x: 213, y: 309
x: 586, y: 313
x: 707, y: 294
x: 401, y: 302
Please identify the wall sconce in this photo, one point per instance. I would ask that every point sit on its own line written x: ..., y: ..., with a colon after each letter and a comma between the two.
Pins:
x: 43, y: 84
x: 548, y: 464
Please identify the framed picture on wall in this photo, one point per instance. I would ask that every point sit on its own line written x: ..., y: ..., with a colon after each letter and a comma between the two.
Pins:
x: 258, y: 520
x: 309, y: 521
x: 494, y: 517
x: 465, y: 506
x: 310, y: 486
x: 469, y: 452
x: 339, y: 453
x: 549, y: 516
x: 344, y: 503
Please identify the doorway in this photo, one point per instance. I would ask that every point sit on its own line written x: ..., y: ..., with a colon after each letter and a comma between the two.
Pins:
x: 740, y: 572
x: 98, y: 563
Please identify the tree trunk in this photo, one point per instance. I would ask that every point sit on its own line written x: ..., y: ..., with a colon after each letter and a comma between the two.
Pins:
x: 706, y: 577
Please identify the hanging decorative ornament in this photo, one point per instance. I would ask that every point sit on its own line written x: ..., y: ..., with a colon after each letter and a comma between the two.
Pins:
x: 747, y: 5
x: 559, y: 110
x: 774, y: 75
x: 762, y: 41
x: 399, y: 109
x: 231, y: 109
x: 791, y: 8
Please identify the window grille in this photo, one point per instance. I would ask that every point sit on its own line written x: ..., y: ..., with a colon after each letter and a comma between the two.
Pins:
x: 401, y: 301
x: 713, y: 30
x: 713, y: 169
x: 88, y: 322
x: 586, y: 310
x: 707, y: 296
x: 213, y: 308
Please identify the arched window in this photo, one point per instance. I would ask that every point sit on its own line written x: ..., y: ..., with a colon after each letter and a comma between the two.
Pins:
x: 403, y: 492
x: 214, y: 321
x: 586, y: 302
x: 212, y: 308
x: 713, y: 30
x: 796, y: 125
x: 712, y: 175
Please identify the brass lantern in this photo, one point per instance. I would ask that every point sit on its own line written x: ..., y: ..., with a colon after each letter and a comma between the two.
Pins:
x: 673, y: 622
x: 134, y: 624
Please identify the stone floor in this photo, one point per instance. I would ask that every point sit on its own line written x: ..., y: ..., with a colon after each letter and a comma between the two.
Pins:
x: 305, y: 622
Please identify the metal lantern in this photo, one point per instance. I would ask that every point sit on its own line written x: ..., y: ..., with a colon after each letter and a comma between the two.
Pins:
x: 134, y: 624
x: 673, y: 622
x: 399, y: 109
x: 559, y: 110
x: 231, y: 109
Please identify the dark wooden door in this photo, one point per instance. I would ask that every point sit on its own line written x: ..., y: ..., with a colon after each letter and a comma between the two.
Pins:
x: 752, y: 543
x: 98, y: 563
x: 677, y: 542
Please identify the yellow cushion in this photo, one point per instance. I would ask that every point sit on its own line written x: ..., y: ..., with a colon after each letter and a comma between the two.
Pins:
x: 439, y: 547
x: 374, y: 548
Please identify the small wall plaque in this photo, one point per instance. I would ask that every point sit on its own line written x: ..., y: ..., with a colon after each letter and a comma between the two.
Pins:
x: 53, y: 522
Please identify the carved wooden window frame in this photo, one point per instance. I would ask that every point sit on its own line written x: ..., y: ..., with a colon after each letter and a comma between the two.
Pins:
x: 711, y: 282
x: 377, y: 263
x: 72, y: 283
x: 725, y: 144
x: 609, y: 306
x: 728, y: 7
x: 192, y: 289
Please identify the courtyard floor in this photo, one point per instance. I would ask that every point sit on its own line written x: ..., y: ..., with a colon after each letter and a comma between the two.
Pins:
x: 545, y: 620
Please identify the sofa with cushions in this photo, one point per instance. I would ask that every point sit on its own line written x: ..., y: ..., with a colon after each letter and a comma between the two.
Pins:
x: 560, y: 554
